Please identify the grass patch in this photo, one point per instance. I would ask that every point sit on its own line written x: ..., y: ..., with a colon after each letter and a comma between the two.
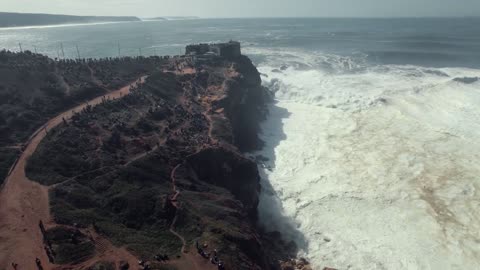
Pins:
x: 69, y: 245
x: 7, y: 158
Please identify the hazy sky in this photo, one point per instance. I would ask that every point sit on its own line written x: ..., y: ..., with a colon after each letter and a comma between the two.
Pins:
x: 250, y: 8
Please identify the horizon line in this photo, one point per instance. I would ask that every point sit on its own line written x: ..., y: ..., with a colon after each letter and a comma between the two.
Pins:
x: 260, y: 17
x: 339, y: 17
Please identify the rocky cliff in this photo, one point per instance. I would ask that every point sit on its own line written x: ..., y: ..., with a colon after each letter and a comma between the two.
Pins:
x: 161, y: 169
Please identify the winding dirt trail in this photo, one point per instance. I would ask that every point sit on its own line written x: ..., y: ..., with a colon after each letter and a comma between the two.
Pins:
x: 23, y: 203
x: 189, y: 260
x: 174, y: 202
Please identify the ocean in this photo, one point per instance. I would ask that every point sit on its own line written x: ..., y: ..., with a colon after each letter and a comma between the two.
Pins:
x: 372, y: 150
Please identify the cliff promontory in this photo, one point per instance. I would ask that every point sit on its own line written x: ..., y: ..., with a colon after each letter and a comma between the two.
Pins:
x: 155, y: 172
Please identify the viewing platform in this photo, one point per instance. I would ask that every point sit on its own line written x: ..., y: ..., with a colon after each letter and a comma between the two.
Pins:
x: 229, y: 50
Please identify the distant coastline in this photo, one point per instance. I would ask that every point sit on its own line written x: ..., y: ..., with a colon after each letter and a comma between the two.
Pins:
x: 10, y: 19
x: 171, y: 18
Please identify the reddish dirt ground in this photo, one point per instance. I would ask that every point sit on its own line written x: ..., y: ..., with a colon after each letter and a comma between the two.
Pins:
x: 23, y: 203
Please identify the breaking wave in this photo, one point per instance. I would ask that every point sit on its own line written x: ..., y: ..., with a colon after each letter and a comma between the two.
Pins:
x: 372, y: 167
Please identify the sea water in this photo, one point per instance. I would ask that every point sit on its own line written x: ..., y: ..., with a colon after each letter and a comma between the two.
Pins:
x: 377, y: 167
x: 371, y: 157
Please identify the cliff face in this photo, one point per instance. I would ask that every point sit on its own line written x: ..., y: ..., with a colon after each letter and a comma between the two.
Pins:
x: 114, y: 165
x: 226, y: 168
x: 235, y: 103
x: 239, y: 106
x: 246, y: 105
x: 235, y: 112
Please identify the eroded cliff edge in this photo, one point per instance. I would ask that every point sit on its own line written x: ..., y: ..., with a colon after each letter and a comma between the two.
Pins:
x: 166, y: 157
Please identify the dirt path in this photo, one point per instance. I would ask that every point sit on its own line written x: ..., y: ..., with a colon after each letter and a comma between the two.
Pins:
x: 189, y: 260
x: 172, y: 230
x: 174, y: 202
x: 23, y: 203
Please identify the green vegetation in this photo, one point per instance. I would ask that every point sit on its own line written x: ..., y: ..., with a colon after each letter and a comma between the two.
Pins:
x: 69, y: 157
x: 69, y: 245
x: 125, y: 206
x: 125, y: 202
x: 35, y: 88
x: 7, y: 158
x: 111, y: 167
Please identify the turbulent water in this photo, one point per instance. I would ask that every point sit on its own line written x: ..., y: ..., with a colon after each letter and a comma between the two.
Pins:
x: 372, y: 150
x: 378, y: 167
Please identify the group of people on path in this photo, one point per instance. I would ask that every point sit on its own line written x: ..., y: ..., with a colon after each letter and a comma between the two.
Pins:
x: 160, y: 258
x: 213, y: 259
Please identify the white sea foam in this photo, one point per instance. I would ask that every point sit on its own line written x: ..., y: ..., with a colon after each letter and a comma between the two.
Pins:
x: 378, y: 167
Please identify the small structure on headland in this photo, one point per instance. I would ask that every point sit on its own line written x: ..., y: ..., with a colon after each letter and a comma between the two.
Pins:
x: 227, y: 50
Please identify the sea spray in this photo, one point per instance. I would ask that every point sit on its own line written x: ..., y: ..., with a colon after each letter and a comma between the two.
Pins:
x: 372, y: 167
